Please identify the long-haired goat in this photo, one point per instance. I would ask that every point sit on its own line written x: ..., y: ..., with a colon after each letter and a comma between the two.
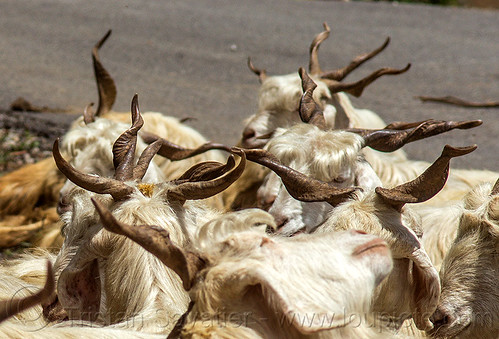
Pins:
x: 378, y: 211
x: 105, y: 278
x: 469, y: 303
x: 248, y: 284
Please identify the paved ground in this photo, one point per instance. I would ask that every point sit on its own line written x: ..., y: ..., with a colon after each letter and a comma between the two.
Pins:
x: 188, y: 58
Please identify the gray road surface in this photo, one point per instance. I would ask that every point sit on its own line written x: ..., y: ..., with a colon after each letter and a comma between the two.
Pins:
x: 188, y: 58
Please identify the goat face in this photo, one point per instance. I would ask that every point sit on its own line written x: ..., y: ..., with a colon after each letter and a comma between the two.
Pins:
x: 331, y: 156
x: 276, y: 291
x: 469, y: 302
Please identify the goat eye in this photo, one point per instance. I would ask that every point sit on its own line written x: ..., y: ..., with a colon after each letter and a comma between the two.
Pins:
x: 339, y: 180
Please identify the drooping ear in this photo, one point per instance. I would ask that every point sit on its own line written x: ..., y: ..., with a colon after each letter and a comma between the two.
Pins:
x: 79, y: 289
x: 426, y: 289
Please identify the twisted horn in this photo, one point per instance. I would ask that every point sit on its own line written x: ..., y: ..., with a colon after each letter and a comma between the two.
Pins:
x: 88, y: 114
x: 341, y: 73
x: 427, y: 184
x: 105, y: 83
x: 9, y: 308
x: 119, y: 190
x: 175, y: 152
x: 300, y: 186
x: 309, y: 111
x: 205, y: 189
x: 356, y: 88
x: 155, y: 240
x: 313, y: 64
x: 124, y: 147
x: 262, y: 73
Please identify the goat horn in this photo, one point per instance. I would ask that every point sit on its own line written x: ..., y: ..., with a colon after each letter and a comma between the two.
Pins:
x: 262, y: 73
x: 427, y: 184
x: 206, y: 188
x: 175, y: 152
x: 88, y: 114
x: 341, y: 73
x: 389, y: 140
x: 119, y: 190
x: 356, y: 88
x: 309, y: 110
x: 11, y: 307
x: 145, y: 159
x: 105, y: 83
x: 495, y: 189
x: 313, y: 64
x: 124, y: 147
x: 207, y: 170
x: 155, y: 240
x: 300, y: 186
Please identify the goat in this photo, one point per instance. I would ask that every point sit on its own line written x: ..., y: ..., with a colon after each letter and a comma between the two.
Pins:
x: 469, y: 303
x: 379, y: 211
x: 248, y: 284
x: 93, y: 267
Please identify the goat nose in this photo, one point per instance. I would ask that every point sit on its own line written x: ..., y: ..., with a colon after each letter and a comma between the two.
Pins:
x: 63, y: 205
x: 265, y: 203
x: 280, y: 221
x: 440, y: 318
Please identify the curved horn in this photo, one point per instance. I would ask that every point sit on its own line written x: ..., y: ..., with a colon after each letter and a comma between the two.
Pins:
x: 356, y: 88
x: 309, y: 110
x: 300, y: 186
x: 11, y: 307
x: 341, y: 73
x: 119, y: 190
x: 105, y: 83
x: 155, y: 240
x: 389, y: 140
x: 262, y: 74
x: 205, y: 189
x: 124, y: 147
x: 175, y: 152
x: 145, y: 159
x: 313, y: 64
x: 495, y: 189
x: 88, y: 114
x: 427, y: 184
x: 207, y: 170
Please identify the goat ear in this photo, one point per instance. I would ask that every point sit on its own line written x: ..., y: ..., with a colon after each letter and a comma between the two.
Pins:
x: 365, y: 177
x: 79, y: 290
x: 426, y: 289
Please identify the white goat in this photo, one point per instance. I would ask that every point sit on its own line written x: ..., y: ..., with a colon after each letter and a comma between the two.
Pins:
x: 469, y: 303
x: 247, y: 284
x: 326, y: 208
x: 95, y: 281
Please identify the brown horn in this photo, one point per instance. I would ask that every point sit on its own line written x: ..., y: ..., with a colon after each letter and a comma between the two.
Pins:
x: 460, y: 102
x: 309, y: 110
x: 155, y: 240
x: 356, y: 88
x: 495, y: 189
x: 105, y: 83
x: 207, y: 170
x: 341, y: 73
x: 119, y: 190
x: 262, y: 74
x: 11, y: 307
x: 175, y: 152
x: 205, y: 189
x: 427, y: 184
x: 145, y: 159
x: 300, y: 186
x: 124, y: 147
x: 389, y: 140
x: 313, y: 64
x: 88, y: 114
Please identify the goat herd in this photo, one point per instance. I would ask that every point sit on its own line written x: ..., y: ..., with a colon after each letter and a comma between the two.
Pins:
x: 315, y: 225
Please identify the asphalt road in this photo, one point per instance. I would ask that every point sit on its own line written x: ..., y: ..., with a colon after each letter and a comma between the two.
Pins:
x: 188, y: 59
